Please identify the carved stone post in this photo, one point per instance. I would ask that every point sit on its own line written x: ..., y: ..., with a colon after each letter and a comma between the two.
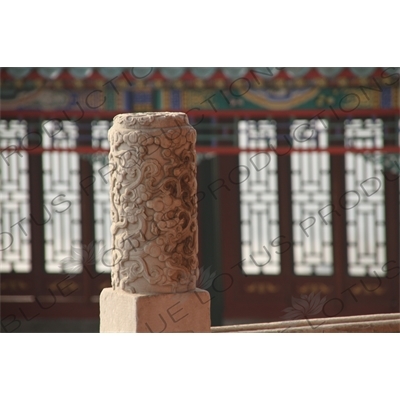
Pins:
x: 154, y: 227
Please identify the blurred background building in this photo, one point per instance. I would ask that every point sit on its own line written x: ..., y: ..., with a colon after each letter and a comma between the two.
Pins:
x: 298, y: 189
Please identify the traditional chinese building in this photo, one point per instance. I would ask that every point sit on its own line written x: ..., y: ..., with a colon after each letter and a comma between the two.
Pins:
x: 298, y: 188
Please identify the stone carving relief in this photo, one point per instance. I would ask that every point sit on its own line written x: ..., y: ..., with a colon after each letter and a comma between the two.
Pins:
x: 153, y: 203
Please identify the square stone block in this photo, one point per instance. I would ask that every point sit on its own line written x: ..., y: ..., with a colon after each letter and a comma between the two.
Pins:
x: 154, y: 313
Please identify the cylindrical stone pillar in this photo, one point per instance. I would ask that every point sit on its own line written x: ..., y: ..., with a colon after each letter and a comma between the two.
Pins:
x: 153, y: 203
x: 154, y: 227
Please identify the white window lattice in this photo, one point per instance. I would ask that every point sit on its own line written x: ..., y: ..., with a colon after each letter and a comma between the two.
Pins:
x: 311, y: 192
x: 365, y: 200
x: 15, y: 232
x: 259, y: 199
x: 62, y: 221
x: 101, y: 189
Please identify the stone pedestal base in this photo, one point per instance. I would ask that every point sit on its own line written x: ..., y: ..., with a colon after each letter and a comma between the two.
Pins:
x: 154, y: 313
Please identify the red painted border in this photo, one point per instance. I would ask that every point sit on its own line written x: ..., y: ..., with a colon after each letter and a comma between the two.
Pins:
x: 198, y: 115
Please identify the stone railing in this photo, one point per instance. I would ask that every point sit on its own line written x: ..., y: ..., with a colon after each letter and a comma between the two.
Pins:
x: 360, y: 323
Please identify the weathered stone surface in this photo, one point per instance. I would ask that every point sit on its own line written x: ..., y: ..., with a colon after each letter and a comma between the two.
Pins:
x: 154, y: 227
x: 154, y: 313
x: 153, y: 203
